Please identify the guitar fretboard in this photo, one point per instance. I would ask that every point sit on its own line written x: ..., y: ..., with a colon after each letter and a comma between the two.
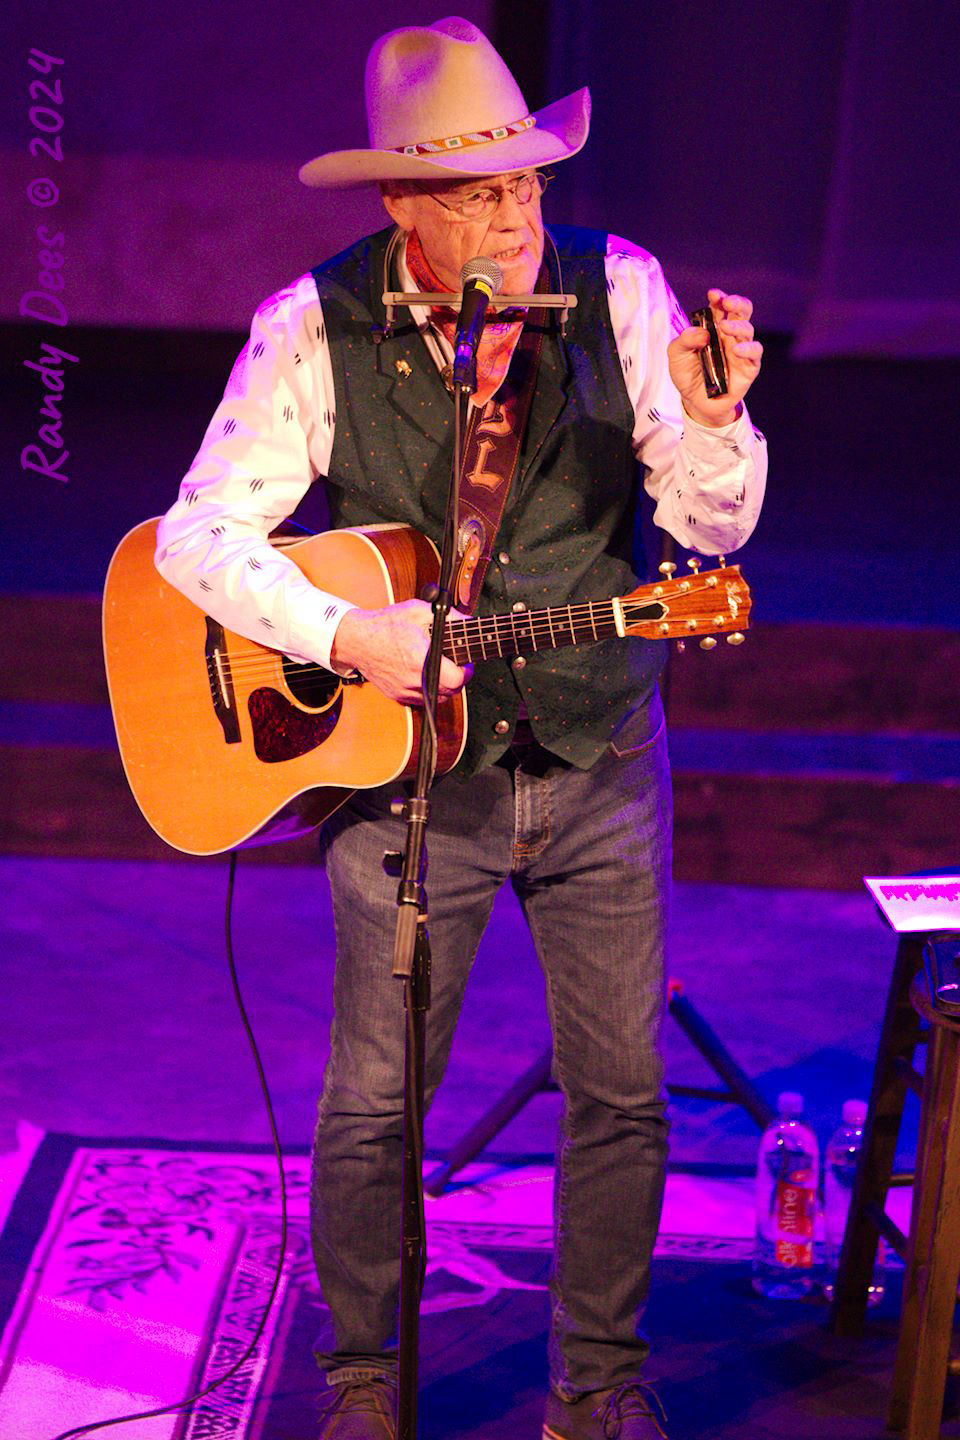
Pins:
x: 523, y: 632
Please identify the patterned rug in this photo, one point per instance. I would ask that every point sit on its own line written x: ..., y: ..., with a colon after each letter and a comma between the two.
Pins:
x: 133, y: 1274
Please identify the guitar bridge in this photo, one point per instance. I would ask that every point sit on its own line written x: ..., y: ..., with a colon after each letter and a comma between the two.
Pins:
x: 221, y: 683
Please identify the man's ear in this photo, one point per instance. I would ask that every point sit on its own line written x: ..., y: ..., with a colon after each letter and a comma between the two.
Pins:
x: 398, y: 206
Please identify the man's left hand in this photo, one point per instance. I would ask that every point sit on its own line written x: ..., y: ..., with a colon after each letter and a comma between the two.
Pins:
x: 742, y: 353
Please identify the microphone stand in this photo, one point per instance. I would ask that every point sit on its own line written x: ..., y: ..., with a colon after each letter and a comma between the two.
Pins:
x: 411, y: 954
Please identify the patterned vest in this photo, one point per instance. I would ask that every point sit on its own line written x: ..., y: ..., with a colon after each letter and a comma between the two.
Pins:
x: 570, y: 522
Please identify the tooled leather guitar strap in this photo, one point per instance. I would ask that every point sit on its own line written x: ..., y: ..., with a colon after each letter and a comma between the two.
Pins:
x: 494, y: 438
x: 491, y: 459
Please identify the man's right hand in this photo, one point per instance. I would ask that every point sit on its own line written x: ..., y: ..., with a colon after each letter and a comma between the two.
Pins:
x: 389, y: 647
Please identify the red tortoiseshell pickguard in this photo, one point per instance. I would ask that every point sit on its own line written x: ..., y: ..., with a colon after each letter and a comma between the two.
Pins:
x: 281, y: 731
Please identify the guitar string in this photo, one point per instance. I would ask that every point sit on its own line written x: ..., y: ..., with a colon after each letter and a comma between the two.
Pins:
x: 244, y: 660
x: 559, y: 618
x: 461, y: 640
x: 476, y: 629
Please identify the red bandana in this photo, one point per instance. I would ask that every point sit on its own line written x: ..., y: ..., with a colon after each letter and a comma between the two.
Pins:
x: 499, y: 338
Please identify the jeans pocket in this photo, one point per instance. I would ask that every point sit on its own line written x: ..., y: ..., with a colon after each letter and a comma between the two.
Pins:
x: 640, y: 730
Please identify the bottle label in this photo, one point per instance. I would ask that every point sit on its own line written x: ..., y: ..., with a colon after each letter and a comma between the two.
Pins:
x: 796, y: 1210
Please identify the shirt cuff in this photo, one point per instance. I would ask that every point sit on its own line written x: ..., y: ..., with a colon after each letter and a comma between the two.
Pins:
x: 722, y: 430
x: 313, y: 626
x: 704, y: 440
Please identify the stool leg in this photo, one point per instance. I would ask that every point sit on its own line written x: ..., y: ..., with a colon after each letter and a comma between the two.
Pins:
x: 927, y: 1177
x: 939, y: 1296
x: 898, y: 1039
x: 933, y: 1265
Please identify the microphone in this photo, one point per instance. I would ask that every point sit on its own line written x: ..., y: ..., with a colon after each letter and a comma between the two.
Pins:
x: 480, y: 280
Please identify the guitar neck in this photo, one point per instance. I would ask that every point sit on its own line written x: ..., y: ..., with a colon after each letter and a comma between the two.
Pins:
x: 524, y: 632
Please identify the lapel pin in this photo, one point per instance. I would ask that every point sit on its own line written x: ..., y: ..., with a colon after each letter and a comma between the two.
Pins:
x: 402, y: 369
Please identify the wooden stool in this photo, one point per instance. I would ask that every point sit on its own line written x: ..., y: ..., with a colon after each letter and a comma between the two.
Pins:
x: 932, y: 1252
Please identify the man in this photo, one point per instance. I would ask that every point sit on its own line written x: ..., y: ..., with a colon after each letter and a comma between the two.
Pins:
x: 564, y: 785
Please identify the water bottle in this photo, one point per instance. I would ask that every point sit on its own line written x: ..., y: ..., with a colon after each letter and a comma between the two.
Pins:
x: 788, y: 1167
x: 840, y: 1168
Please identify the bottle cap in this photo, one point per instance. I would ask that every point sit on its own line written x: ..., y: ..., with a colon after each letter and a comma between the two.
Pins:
x: 789, y: 1102
x: 855, y: 1113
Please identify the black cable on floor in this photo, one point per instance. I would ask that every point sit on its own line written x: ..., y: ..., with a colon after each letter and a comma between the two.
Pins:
x: 192, y: 1399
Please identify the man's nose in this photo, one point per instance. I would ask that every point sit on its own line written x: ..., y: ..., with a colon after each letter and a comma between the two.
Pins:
x: 510, y: 214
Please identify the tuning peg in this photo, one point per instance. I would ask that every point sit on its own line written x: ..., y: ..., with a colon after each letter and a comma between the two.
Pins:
x: 721, y: 562
x: 667, y: 568
x: 694, y: 563
x: 736, y: 637
x: 708, y: 643
x: 681, y: 646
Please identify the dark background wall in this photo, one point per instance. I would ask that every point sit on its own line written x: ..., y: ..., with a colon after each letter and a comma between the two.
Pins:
x: 804, y: 153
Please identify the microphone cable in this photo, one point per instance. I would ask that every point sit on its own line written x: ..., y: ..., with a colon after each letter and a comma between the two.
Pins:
x: 238, y: 1364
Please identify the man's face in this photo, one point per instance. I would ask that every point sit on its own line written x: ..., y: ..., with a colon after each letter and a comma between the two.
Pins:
x: 512, y: 235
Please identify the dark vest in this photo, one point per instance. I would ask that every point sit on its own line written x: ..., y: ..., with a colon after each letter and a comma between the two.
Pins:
x: 569, y: 525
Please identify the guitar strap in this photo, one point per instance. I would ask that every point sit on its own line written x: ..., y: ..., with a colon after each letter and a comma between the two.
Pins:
x: 492, y: 457
x: 493, y: 442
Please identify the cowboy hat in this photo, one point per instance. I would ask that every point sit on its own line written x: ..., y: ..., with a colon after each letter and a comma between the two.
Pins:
x: 442, y: 104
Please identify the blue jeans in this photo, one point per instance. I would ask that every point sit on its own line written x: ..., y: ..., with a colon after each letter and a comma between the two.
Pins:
x: 588, y: 854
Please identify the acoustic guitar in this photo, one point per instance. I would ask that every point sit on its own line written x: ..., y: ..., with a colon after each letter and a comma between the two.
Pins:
x: 227, y: 743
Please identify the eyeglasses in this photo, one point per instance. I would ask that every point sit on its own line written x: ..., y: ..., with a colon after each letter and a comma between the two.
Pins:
x: 481, y: 204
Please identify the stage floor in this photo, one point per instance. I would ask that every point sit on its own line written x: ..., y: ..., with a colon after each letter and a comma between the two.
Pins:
x: 131, y: 1273
x: 121, y: 1025
x: 122, y: 1021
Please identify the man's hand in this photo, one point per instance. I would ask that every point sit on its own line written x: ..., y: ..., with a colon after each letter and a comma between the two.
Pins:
x: 389, y: 647
x: 742, y: 353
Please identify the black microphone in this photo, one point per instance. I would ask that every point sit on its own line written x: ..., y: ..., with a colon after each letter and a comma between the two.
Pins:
x: 480, y: 280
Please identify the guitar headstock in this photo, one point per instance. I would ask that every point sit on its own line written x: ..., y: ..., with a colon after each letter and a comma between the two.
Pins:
x: 699, y: 606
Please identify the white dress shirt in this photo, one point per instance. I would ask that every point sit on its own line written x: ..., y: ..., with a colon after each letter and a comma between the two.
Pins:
x: 272, y: 434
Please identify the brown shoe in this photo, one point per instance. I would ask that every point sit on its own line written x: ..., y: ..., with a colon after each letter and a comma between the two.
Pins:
x: 360, y: 1410
x: 628, y: 1412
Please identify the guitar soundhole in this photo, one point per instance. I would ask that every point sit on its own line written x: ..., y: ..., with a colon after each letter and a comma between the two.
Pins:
x: 282, y: 732
x: 313, y: 686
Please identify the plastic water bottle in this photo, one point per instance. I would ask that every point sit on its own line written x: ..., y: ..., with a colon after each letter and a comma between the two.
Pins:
x: 788, y: 1168
x: 840, y: 1168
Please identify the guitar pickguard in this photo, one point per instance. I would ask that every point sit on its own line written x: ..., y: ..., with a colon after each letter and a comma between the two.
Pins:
x: 281, y: 731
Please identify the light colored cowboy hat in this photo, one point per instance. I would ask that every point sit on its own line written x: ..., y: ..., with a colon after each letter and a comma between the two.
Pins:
x: 442, y: 104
